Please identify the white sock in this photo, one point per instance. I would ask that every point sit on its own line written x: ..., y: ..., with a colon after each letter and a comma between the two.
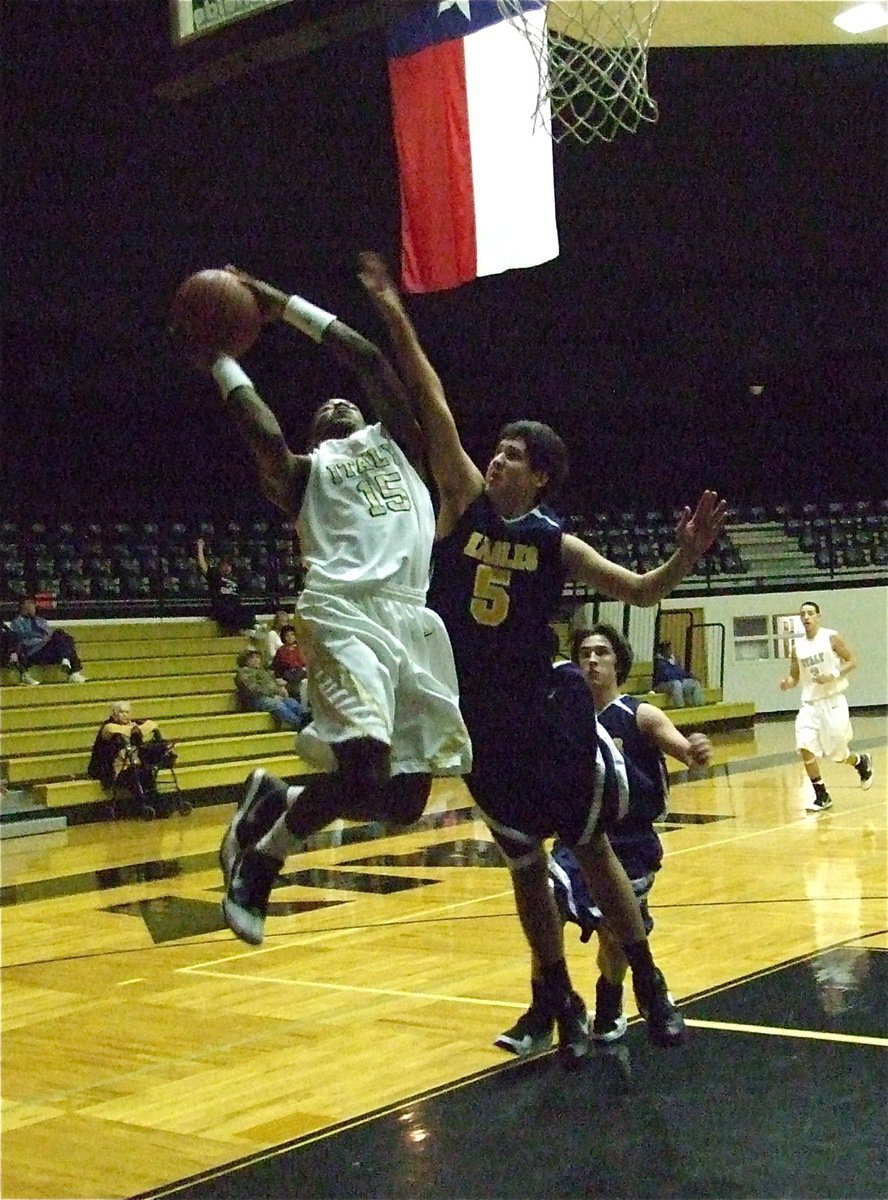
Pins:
x: 66, y: 662
x: 279, y: 842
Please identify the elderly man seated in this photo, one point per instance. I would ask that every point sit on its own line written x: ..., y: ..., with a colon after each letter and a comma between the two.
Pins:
x: 127, y: 754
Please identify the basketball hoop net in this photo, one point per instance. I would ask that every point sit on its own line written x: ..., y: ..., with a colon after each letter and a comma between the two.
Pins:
x: 592, y: 62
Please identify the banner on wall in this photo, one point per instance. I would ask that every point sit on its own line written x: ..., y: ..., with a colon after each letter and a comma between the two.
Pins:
x: 193, y: 18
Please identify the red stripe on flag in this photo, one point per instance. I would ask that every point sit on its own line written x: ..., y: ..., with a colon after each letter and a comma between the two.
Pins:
x: 431, y: 124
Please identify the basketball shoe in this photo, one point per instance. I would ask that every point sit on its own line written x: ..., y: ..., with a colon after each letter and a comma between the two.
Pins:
x: 264, y: 800
x: 864, y: 768
x: 609, y: 1024
x: 245, y: 905
x: 532, y: 1032
x: 665, y: 1024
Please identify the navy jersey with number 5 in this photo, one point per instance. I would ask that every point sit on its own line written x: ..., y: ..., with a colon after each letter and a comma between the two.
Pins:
x: 496, y: 584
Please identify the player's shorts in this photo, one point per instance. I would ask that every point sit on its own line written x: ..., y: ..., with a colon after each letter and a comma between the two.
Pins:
x: 532, y: 781
x: 823, y: 728
x: 381, y: 667
x: 572, y: 896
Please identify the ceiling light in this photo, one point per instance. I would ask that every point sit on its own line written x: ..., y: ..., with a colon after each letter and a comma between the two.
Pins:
x: 862, y: 18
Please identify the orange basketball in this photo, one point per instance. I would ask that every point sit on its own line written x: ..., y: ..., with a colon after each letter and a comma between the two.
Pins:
x: 214, y: 313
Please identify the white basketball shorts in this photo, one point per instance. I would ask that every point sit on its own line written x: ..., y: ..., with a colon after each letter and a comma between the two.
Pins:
x: 381, y: 668
x: 823, y: 728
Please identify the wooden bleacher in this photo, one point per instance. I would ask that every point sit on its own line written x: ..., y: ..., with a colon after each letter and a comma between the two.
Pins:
x: 715, y: 714
x: 177, y: 671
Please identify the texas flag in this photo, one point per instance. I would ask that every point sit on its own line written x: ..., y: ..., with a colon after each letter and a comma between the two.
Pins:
x: 477, y: 186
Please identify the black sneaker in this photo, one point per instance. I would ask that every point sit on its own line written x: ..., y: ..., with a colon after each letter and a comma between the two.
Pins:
x: 265, y: 798
x: 665, y: 1024
x: 821, y: 801
x: 609, y: 1024
x: 573, y: 1030
x: 531, y: 1033
x: 864, y: 768
x: 246, y: 901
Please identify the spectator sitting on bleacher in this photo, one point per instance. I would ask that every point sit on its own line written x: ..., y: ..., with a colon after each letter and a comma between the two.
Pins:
x: 260, y: 691
x: 225, y: 603
x: 288, y: 663
x: 9, y: 655
x: 271, y: 639
x: 37, y: 644
x: 672, y: 680
x: 128, y: 752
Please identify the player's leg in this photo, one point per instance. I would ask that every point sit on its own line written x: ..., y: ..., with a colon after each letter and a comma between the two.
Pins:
x: 609, y: 884
x: 553, y: 999
x: 863, y: 765
x: 837, y: 735
x: 609, y: 1023
x: 810, y: 749
x: 355, y: 792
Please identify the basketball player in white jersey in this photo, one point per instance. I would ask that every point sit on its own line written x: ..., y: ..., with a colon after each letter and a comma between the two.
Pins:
x: 382, y: 685
x: 822, y: 660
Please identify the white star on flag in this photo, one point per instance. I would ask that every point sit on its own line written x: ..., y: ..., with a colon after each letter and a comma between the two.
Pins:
x: 462, y: 5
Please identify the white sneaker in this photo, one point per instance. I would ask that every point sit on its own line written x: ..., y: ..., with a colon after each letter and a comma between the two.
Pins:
x: 29, y: 680
x: 76, y: 677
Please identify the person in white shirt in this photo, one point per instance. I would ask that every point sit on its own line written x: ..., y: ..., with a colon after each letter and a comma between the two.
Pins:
x: 822, y: 661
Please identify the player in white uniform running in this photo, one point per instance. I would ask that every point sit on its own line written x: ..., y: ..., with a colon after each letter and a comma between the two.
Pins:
x: 822, y: 660
x: 382, y: 684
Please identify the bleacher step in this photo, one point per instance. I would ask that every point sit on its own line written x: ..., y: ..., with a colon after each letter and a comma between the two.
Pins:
x: 195, y: 778
x: 30, y: 769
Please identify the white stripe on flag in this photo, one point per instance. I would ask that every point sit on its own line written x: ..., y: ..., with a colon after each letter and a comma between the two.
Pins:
x: 512, y: 172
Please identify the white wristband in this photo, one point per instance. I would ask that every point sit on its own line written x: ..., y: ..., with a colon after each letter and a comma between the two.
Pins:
x: 307, y: 317
x: 229, y: 374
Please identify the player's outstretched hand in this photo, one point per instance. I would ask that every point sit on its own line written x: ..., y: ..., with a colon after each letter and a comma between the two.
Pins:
x: 701, y: 749
x: 698, y: 530
x: 376, y: 278
x: 271, y: 300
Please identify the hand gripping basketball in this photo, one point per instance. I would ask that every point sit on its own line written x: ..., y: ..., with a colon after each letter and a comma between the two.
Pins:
x: 214, y: 313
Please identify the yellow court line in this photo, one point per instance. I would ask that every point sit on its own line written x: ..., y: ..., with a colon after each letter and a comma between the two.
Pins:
x: 306, y: 939
x: 366, y: 991
x: 770, y: 1031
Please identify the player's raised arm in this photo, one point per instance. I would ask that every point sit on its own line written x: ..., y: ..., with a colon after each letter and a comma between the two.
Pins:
x: 378, y: 379
x: 459, y: 480
x: 282, y: 474
x: 695, y: 534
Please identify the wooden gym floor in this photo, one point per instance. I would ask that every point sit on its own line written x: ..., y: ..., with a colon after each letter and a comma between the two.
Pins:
x: 147, y: 1052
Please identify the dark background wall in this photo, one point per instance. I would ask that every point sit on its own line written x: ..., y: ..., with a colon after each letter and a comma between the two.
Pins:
x: 740, y: 240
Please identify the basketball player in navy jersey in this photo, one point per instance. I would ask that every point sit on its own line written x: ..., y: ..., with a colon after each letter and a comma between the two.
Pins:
x: 381, y: 676
x: 500, y: 566
x: 602, y: 658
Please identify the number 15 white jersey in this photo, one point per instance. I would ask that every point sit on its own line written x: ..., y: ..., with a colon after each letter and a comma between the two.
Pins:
x: 366, y: 518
